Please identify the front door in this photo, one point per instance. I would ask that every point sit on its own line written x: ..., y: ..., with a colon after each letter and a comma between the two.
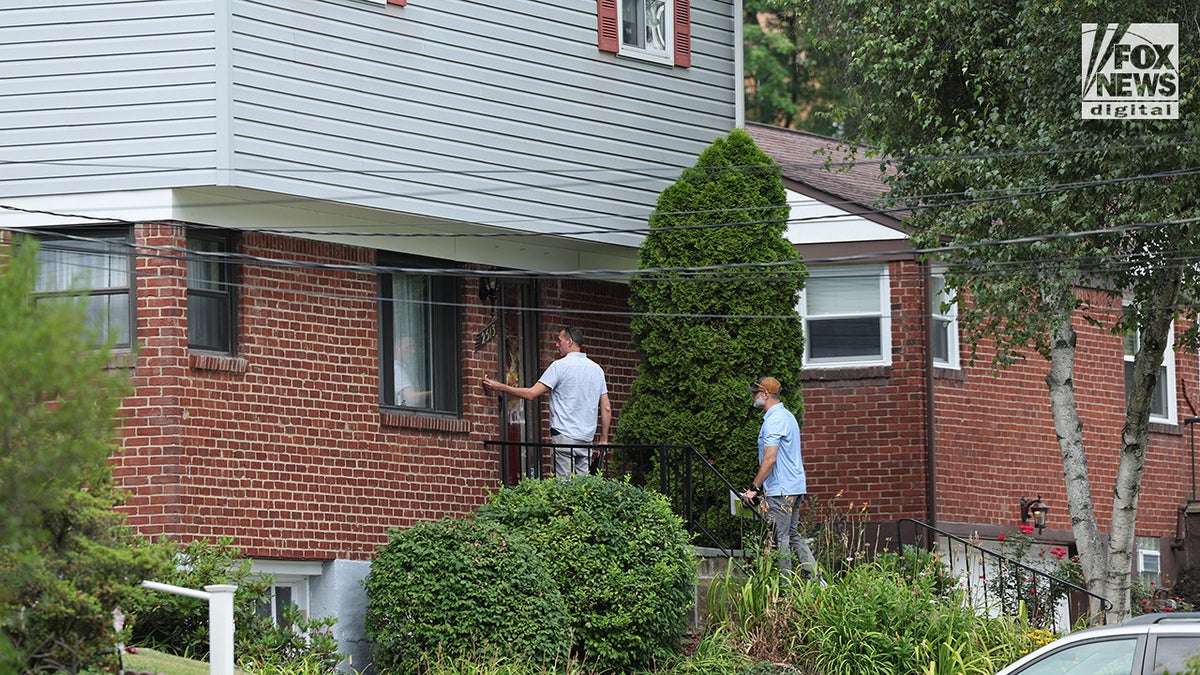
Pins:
x: 519, y: 422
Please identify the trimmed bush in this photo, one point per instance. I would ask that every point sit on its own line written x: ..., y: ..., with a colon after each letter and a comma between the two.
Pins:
x: 463, y: 587
x: 620, y: 557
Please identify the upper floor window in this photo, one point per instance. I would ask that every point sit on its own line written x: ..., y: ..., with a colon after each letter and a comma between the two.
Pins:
x: 844, y: 319
x: 211, y: 281
x: 419, y: 342
x: 943, y: 342
x: 1162, y: 405
x: 98, y: 264
x: 656, y: 30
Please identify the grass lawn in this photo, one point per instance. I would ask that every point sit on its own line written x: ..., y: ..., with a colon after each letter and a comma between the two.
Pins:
x: 148, y: 660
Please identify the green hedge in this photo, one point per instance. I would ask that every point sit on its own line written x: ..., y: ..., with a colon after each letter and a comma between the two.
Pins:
x: 462, y: 587
x: 620, y: 558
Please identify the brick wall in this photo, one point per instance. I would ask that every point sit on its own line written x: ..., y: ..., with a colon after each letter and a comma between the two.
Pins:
x: 284, y: 447
x: 864, y: 431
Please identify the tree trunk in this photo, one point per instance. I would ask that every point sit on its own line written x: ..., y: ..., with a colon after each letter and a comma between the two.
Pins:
x: 1061, y: 382
x: 1154, y: 339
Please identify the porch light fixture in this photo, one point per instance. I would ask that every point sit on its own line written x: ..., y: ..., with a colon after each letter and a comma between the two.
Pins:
x: 1035, y: 509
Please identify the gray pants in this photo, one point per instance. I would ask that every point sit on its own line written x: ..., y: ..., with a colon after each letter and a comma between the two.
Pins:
x: 571, y: 461
x: 783, y: 513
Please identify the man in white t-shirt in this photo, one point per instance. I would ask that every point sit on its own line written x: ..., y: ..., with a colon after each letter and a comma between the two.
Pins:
x: 577, y: 389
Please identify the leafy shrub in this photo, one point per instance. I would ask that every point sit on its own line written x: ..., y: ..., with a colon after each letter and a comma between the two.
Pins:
x: 879, y: 618
x: 894, y: 615
x: 620, y: 558
x: 178, y: 624
x: 460, y: 587
x: 60, y: 593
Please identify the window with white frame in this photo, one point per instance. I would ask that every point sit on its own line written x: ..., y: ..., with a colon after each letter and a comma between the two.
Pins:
x: 419, y: 342
x: 1148, y: 566
x: 1162, y: 405
x: 653, y: 30
x: 289, y: 587
x: 943, y: 342
x: 646, y: 26
x: 97, y: 263
x: 845, y: 317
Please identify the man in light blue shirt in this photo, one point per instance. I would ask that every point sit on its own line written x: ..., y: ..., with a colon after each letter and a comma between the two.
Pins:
x: 781, y: 479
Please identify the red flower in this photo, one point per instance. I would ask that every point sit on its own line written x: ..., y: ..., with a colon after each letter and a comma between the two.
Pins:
x: 1000, y: 538
x: 1027, y: 529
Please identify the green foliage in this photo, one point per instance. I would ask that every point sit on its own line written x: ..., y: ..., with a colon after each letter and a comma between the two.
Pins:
x: 463, y: 587
x: 895, y: 614
x: 66, y: 556
x: 978, y: 106
x: 706, y: 335
x: 178, y: 625
x: 791, y: 79
x: 884, y: 618
x: 297, y: 645
x: 620, y: 558
x: 61, y: 593
x: 58, y: 399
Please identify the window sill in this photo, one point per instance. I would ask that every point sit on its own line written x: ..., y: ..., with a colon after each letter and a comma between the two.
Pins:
x: 406, y: 420
x: 217, y: 363
x: 948, y: 374
x: 1165, y: 428
x: 832, y: 374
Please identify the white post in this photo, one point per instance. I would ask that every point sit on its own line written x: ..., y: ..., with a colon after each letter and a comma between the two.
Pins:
x: 220, y: 629
x: 220, y: 621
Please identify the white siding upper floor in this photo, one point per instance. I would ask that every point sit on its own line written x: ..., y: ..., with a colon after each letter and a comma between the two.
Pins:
x: 439, y: 113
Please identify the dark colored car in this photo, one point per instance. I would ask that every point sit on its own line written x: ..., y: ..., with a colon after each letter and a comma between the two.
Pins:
x: 1150, y: 644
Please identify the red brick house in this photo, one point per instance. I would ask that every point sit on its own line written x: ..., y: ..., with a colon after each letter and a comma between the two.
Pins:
x: 271, y: 204
x: 896, y: 418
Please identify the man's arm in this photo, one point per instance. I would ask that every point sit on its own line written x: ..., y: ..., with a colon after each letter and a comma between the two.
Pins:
x: 770, y: 452
x: 605, y: 418
x: 527, y: 393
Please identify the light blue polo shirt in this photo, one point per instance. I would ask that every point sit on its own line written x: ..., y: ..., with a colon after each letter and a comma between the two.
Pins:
x: 780, y: 428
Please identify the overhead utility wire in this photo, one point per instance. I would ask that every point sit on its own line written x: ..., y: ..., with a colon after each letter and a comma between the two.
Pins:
x: 1021, y: 192
x: 177, y: 253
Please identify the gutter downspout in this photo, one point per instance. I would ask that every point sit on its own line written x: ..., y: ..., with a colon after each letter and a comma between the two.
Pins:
x: 739, y: 68
x: 931, y: 505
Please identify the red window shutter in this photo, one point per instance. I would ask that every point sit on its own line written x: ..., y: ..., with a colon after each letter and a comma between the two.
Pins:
x: 609, y: 32
x: 683, y: 33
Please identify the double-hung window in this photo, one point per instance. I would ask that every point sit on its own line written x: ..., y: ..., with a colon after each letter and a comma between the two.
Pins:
x: 1162, y: 405
x: 97, y: 264
x: 943, y: 342
x: 654, y: 30
x: 845, y: 317
x: 419, y: 342
x: 211, y: 298
x: 1149, y: 561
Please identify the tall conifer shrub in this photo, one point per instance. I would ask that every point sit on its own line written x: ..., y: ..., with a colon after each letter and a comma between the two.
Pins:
x: 716, y: 308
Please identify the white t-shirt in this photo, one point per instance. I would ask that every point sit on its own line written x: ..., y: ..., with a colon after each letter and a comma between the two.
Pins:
x: 576, y: 385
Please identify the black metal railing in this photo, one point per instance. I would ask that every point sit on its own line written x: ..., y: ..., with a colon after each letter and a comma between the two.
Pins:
x: 697, y: 491
x: 1000, y: 585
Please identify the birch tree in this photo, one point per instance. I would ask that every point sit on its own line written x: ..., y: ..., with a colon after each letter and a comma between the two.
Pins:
x: 1044, y: 219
